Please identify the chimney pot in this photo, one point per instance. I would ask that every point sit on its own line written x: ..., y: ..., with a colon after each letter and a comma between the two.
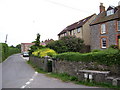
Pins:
x: 102, y: 8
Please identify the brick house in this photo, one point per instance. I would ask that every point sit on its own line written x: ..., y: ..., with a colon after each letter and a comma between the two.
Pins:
x: 105, y: 29
x: 80, y: 29
x: 26, y: 46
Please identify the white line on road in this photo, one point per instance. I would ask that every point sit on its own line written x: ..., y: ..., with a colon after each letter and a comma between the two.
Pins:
x: 30, y: 80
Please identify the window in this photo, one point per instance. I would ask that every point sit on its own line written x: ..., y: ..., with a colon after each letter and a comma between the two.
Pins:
x: 119, y: 25
x: 110, y: 12
x: 65, y: 34
x: 78, y: 30
x: 103, y: 29
x: 104, y: 42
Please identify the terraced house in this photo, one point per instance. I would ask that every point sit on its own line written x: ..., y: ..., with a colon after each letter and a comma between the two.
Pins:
x: 80, y: 29
x: 105, y: 29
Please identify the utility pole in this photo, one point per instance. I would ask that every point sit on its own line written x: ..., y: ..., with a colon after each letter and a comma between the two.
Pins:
x: 6, y: 38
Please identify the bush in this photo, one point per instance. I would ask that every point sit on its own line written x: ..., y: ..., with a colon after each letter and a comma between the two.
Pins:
x: 96, y: 50
x: 114, y: 46
x: 107, y: 57
x: 44, y: 52
x: 67, y: 44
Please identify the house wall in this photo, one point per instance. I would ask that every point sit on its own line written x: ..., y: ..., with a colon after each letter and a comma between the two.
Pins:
x: 111, y: 35
x: 86, y: 31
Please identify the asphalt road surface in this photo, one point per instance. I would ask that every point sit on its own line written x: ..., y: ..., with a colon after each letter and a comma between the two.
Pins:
x: 16, y: 73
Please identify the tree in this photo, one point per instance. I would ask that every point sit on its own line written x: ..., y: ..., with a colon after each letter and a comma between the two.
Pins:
x: 37, y: 42
x: 67, y: 44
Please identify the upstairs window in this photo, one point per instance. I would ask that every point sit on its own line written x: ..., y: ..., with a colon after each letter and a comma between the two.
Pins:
x: 110, y: 12
x: 78, y: 30
x: 104, y: 42
x: 65, y: 34
x: 103, y: 28
x: 119, y: 25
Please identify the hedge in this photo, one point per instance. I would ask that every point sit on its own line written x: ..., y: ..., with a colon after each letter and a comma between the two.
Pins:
x: 3, y: 51
x: 107, y: 57
x: 6, y: 51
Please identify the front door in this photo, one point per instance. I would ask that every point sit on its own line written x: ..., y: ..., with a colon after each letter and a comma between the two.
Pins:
x: 119, y: 42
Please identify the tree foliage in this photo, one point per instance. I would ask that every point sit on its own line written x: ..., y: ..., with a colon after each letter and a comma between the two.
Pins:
x: 67, y: 44
x: 37, y: 44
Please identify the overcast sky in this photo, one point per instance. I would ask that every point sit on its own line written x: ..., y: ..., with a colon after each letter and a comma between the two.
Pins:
x: 23, y: 19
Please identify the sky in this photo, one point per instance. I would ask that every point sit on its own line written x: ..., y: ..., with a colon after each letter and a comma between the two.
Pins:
x: 23, y: 19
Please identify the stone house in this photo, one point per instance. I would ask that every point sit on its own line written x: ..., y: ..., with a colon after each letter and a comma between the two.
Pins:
x: 105, y: 29
x: 80, y: 29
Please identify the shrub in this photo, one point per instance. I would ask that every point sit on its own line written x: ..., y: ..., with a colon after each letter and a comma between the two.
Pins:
x: 44, y: 52
x: 114, y: 46
x: 107, y: 57
x: 96, y: 50
x: 67, y: 44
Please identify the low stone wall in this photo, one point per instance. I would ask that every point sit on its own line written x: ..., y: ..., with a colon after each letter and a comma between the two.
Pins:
x: 82, y: 70
x: 39, y: 62
x: 42, y: 63
x: 61, y: 66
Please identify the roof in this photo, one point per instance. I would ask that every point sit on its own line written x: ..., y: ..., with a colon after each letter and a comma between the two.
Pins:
x: 76, y: 24
x: 102, y: 17
x: 28, y: 43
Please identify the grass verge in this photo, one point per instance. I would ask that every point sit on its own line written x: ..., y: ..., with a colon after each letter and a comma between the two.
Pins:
x: 67, y: 78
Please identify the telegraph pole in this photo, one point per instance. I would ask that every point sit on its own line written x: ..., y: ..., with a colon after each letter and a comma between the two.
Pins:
x: 6, y: 38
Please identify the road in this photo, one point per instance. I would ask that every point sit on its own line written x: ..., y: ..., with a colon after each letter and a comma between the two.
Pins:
x: 16, y: 73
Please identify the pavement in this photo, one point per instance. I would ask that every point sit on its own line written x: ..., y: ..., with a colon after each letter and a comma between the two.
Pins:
x: 16, y: 73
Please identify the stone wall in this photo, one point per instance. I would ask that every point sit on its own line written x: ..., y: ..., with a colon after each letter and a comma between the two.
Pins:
x: 72, y: 68
x: 82, y: 70
x: 111, y: 33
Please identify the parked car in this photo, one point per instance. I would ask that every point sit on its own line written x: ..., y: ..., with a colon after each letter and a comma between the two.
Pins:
x: 25, y: 54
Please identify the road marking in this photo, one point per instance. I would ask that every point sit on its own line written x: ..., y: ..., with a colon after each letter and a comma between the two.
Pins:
x: 27, y: 83
x: 23, y: 86
x: 30, y: 80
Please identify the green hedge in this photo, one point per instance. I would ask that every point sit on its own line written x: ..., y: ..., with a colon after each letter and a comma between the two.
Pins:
x: 6, y: 51
x: 107, y: 57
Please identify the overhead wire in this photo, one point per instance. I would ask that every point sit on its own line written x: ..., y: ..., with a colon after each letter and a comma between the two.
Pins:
x: 66, y: 6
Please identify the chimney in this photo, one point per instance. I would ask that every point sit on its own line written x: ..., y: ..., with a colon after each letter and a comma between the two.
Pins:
x: 102, y: 8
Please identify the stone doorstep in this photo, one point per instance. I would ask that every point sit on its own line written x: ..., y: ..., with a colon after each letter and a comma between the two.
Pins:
x: 93, y: 71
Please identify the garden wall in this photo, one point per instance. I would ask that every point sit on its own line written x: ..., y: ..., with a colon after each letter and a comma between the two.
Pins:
x: 82, y: 70
x: 73, y: 67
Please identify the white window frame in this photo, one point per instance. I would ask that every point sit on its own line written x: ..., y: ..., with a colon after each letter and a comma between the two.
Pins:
x: 104, y: 42
x: 78, y: 30
x: 110, y: 12
x: 119, y: 25
x: 103, y: 28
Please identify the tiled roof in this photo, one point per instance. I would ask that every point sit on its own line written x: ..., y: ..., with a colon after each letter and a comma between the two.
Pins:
x: 76, y: 24
x: 28, y: 43
x: 102, y: 17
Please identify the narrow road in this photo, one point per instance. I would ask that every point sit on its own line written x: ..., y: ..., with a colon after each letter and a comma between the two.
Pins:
x: 16, y: 73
